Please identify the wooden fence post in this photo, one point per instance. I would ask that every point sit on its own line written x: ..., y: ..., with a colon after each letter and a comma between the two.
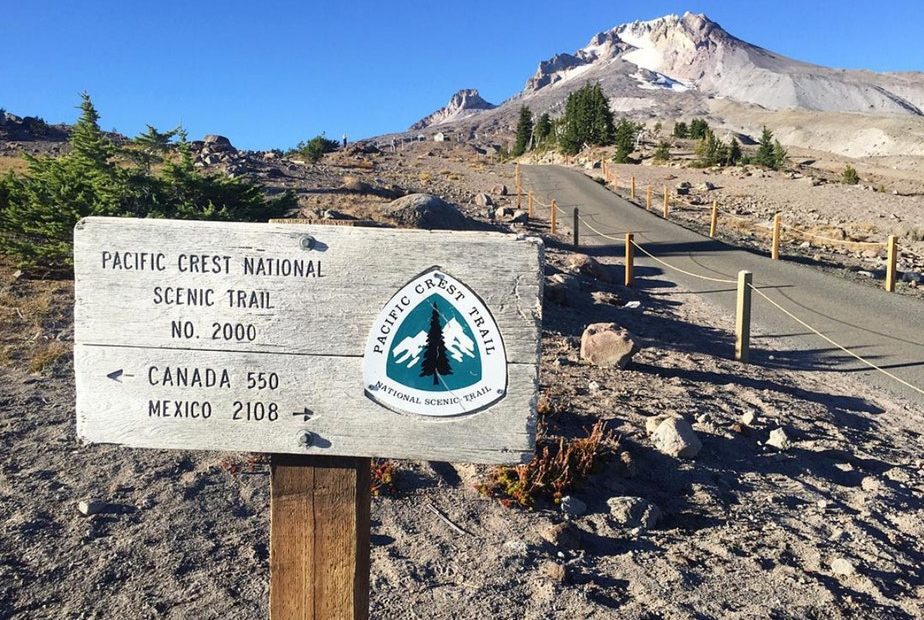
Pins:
x: 319, y: 537
x: 743, y: 317
x: 713, y: 220
x: 630, y: 253
x: 775, y: 247
x: 648, y: 199
x: 529, y: 204
x: 606, y: 176
x: 890, y: 263
x: 666, y: 203
x: 632, y: 193
x: 554, y: 216
x: 518, y: 184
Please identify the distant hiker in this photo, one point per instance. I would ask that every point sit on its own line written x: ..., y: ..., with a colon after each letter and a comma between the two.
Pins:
x: 344, y: 140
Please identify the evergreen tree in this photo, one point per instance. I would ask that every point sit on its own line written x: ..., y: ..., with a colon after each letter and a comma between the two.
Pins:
x: 779, y: 156
x: 698, y: 129
x: 764, y: 154
x: 587, y: 120
x: 524, y: 131
x: 707, y: 150
x: 626, y: 132
x: 850, y: 176
x: 38, y: 209
x: 734, y: 152
x: 151, y: 146
x: 435, y: 361
x: 543, y: 128
x: 680, y: 130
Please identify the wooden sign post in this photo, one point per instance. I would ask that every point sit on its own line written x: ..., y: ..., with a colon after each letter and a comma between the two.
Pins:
x: 322, y: 345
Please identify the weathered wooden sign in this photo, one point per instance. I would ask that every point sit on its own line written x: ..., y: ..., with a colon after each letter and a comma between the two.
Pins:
x: 307, y: 339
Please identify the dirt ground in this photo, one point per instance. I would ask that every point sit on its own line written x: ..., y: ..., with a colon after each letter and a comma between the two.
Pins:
x: 828, y: 528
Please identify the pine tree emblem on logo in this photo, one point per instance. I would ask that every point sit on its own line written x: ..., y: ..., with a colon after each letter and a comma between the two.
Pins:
x: 435, y: 350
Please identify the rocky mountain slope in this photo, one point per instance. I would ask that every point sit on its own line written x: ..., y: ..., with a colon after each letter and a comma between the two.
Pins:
x: 679, y: 66
x: 463, y: 104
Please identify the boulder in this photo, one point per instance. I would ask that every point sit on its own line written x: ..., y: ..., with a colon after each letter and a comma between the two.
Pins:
x: 217, y: 144
x: 675, y: 437
x: 586, y: 265
x: 633, y: 512
x: 519, y: 217
x: 564, y: 535
x: 426, y: 211
x: 683, y: 188
x: 499, y: 190
x: 483, y: 200
x: 503, y: 212
x: 749, y: 417
x: 706, y: 186
x: 607, y: 345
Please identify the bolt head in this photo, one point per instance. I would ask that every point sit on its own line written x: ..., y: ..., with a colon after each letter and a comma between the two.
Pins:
x: 304, y: 438
x: 306, y: 242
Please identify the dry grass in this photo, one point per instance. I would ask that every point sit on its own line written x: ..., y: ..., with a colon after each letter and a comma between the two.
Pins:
x: 31, y: 314
x: 15, y: 164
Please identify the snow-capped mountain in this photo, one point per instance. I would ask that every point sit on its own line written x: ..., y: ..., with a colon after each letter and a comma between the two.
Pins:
x: 458, y: 345
x: 679, y: 66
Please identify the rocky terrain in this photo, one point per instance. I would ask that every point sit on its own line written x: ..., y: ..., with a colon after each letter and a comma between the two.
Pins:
x: 678, y: 67
x: 720, y: 490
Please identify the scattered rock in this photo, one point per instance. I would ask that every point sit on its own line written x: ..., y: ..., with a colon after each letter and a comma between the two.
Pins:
x: 869, y: 484
x: 484, y: 200
x: 519, y: 217
x: 17, y: 274
x: 560, y: 288
x: 583, y: 264
x: 652, y: 423
x: 605, y: 297
x: 913, y: 277
x: 633, y: 512
x: 517, y: 546
x: 842, y: 567
x: 683, y: 188
x: 706, y: 186
x: 607, y: 345
x: 217, y: 144
x: 426, y: 211
x: 499, y: 190
x: 91, y: 507
x: 748, y: 418
x: 675, y: 437
x: 779, y: 440
x: 629, y: 467
x: 554, y: 571
x: 565, y: 535
x: 572, y: 506
x: 503, y: 212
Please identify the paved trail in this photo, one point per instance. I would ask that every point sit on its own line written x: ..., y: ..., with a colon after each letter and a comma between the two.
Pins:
x: 886, y: 329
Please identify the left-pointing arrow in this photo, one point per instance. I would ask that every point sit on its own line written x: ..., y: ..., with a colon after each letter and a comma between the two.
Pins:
x: 116, y: 375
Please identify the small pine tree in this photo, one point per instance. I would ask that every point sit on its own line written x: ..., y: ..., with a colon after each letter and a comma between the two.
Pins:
x: 764, y: 154
x: 734, y: 152
x: 313, y: 150
x: 626, y: 132
x: 151, y: 146
x: 435, y: 361
x: 779, y: 156
x: 680, y: 130
x: 587, y: 120
x: 663, y: 152
x: 850, y: 176
x: 657, y: 128
x: 524, y: 131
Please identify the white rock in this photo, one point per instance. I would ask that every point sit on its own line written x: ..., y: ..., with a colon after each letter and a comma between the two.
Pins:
x: 572, y: 506
x: 675, y: 437
x: 779, y: 440
x: 91, y: 507
x: 748, y: 418
x: 842, y: 567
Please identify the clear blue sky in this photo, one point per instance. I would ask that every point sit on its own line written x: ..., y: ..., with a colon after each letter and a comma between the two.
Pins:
x: 268, y: 74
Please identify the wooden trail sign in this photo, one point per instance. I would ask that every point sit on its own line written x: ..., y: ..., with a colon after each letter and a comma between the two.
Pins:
x: 310, y: 339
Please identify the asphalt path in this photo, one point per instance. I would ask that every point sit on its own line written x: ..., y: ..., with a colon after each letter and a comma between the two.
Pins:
x: 886, y: 329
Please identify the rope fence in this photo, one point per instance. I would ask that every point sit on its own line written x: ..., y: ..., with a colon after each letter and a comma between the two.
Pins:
x: 744, y: 281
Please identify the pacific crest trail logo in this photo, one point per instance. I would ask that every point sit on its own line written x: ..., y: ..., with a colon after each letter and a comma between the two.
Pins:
x: 435, y: 350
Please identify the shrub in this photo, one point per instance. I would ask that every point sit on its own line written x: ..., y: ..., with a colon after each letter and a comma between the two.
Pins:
x: 38, y: 209
x: 680, y: 130
x: 556, y: 470
x: 663, y: 152
x: 313, y: 150
x: 384, y: 473
x: 698, y: 129
x: 849, y: 176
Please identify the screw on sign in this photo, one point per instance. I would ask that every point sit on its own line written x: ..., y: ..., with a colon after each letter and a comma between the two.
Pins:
x: 305, y: 342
